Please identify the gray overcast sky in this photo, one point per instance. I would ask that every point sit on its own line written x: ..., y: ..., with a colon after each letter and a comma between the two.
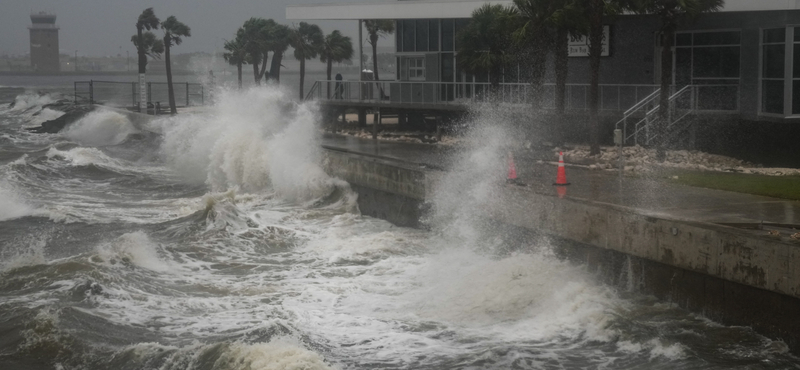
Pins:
x: 104, y: 27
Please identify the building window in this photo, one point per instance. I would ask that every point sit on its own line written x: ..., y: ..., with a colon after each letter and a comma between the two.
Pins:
x: 773, y: 64
x: 796, y: 71
x: 710, y: 59
x: 416, y: 69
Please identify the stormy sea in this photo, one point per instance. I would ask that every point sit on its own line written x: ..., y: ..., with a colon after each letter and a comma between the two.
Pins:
x: 214, y: 240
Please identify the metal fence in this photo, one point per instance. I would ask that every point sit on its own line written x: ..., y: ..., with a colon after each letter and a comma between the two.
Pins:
x: 127, y: 93
x: 616, y: 97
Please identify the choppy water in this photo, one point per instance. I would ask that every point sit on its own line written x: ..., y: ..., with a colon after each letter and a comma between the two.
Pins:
x: 216, y: 242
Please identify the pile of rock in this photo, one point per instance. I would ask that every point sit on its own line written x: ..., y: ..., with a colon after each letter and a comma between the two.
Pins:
x: 640, y: 159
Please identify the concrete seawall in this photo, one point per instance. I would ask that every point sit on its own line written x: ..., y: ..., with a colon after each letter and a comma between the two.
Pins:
x: 730, y: 275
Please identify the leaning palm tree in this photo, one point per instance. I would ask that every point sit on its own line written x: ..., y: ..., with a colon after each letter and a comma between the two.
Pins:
x: 335, y: 48
x: 486, y: 44
x: 255, y: 33
x: 152, y: 47
x: 307, y: 40
x: 377, y: 28
x: 146, y: 21
x: 174, y: 31
x: 236, y: 54
x: 672, y: 13
x: 279, y: 42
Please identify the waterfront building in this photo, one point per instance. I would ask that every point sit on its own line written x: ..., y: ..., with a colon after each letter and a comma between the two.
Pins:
x: 44, y: 42
x: 739, y: 68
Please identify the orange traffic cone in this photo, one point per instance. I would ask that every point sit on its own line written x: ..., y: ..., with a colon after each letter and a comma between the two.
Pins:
x: 512, y: 169
x: 561, y: 177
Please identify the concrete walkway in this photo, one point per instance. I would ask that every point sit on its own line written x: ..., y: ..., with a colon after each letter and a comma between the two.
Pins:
x: 647, y: 196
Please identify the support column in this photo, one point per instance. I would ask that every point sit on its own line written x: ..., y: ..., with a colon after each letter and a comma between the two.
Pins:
x: 362, y: 117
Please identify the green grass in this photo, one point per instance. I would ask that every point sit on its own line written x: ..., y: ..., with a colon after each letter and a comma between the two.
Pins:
x: 784, y: 187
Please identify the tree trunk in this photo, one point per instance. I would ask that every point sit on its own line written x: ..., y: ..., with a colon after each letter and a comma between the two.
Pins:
x: 562, y: 60
x: 302, y: 76
x: 142, y: 70
x: 328, y: 84
x: 263, y: 66
x: 239, y: 73
x: 373, y: 40
x: 170, y: 92
x: 275, y: 67
x: 140, y: 50
x: 595, y: 49
x: 538, y: 66
x: 667, y: 40
x: 255, y: 73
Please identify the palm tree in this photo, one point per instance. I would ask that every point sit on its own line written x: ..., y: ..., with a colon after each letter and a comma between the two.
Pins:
x: 672, y: 13
x: 485, y: 44
x: 236, y: 54
x: 147, y: 21
x: 173, y: 33
x: 335, y: 48
x: 594, y: 12
x: 567, y: 22
x: 307, y: 40
x: 278, y: 43
x: 377, y: 28
x: 255, y: 33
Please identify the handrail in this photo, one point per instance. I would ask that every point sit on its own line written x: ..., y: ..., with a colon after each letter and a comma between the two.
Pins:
x: 644, y: 101
x: 311, y: 91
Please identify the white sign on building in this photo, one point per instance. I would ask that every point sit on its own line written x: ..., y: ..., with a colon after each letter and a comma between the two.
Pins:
x: 579, y: 45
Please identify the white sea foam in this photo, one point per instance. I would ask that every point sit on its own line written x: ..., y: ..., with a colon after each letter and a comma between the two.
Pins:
x: 100, y: 128
x: 27, y: 101
x: 134, y: 248
x: 13, y: 205
x: 278, y: 354
x: 44, y: 115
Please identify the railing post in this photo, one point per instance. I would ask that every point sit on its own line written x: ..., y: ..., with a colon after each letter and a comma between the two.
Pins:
x: 75, y: 92
x: 187, y: 94
x: 91, y: 92
x: 133, y: 93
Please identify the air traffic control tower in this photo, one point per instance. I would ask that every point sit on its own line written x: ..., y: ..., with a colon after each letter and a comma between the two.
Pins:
x: 44, y: 42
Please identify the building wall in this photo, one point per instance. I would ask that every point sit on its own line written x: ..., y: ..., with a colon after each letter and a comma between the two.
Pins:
x: 44, y: 50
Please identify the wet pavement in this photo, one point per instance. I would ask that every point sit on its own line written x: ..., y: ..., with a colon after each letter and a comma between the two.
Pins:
x: 650, y: 196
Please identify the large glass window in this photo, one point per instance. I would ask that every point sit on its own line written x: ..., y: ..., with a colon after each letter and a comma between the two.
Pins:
x: 422, y: 35
x: 433, y: 35
x: 773, y: 64
x: 447, y: 34
x: 796, y: 72
x: 408, y: 35
x: 712, y: 60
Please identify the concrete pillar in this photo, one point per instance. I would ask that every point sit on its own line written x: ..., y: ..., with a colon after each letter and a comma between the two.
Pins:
x: 401, y: 120
x: 362, y: 117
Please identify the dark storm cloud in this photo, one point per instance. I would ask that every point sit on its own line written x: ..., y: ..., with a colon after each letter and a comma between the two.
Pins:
x: 104, y: 27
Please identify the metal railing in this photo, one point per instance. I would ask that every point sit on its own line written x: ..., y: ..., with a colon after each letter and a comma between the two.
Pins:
x: 691, y: 99
x: 127, y: 93
x: 616, y: 97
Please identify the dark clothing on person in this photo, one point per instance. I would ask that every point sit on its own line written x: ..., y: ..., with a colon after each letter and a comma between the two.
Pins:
x: 339, y: 86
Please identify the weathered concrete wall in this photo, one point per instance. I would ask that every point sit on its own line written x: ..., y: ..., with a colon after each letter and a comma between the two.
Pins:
x: 389, y: 190
x: 730, y: 275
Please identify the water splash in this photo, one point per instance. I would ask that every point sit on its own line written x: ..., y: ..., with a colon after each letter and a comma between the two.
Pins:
x: 100, y: 128
x: 255, y: 140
